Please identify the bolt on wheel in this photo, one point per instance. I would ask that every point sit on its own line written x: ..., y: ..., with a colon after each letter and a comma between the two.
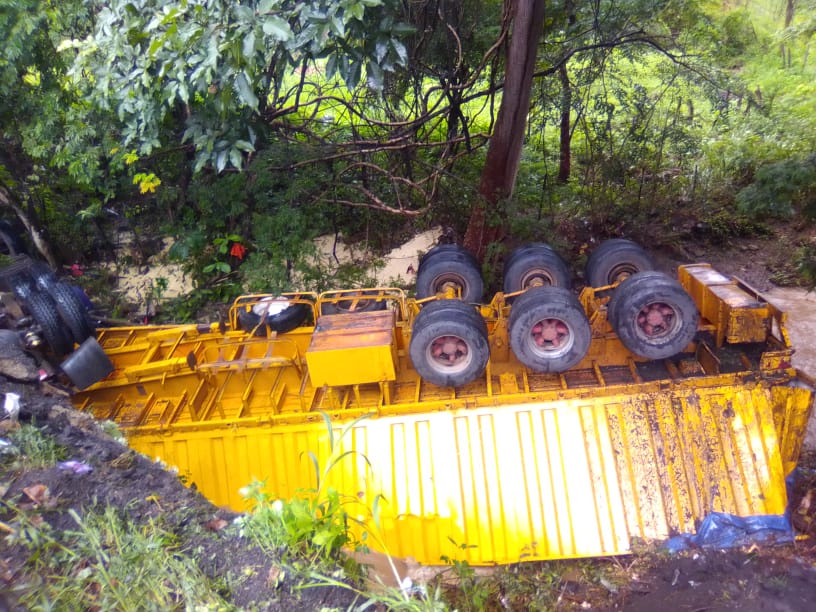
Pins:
x: 656, y: 320
x: 551, y: 336
x: 653, y: 315
x: 450, y: 352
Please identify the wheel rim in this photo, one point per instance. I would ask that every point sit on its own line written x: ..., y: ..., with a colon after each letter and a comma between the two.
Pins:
x: 539, y: 277
x: 454, y: 282
x: 656, y: 320
x: 621, y: 272
x: 550, y: 338
x: 271, y: 306
x: 449, y: 354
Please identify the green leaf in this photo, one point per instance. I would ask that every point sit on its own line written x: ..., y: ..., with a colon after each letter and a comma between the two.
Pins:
x: 375, y: 76
x: 401, y: 51
x: 220, y: 161
x: 402, y: 29
x: 245, y: 92
x: 381, y: 49
x: 236, y: 159
x: 244, y: 13
x: 352, y: 73
x: 329, y: 429
x: 323, y: 537
x: 315, y: 465
x: 331, y: 65
x: 277, y: 28
x: 337, y: 26
x: 266, y: 6
x: 249, y: 44
x: 155, y: 46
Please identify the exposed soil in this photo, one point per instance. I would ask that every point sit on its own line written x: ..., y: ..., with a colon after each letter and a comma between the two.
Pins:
x: 757, y: 578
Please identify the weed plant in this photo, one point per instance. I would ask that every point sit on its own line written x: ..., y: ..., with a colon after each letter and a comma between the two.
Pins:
x: 30, y: 449
x: 107, y: 563
x: 314, y: 526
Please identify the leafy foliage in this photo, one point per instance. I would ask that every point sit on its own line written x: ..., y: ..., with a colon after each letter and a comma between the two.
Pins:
x: 367, y: 118
x: 216, y: 66
x: 782, y: 189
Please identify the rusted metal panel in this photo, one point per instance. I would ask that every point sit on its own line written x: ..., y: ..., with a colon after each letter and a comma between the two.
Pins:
x: 738, y: 314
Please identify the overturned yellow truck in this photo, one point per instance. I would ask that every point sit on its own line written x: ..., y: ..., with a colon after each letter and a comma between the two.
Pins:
x: 541, y: 425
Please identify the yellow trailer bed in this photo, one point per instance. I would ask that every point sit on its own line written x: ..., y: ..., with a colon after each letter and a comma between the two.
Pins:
x: 515, y: 465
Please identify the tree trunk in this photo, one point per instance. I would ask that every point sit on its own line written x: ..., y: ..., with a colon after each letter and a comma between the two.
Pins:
x: 565, y: 158
x: 7, y: 199
x: 504, y: 152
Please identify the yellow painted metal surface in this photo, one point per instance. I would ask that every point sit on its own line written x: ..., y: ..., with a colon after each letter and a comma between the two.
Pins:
x: 738, y: 313
x: 541, y: 480
x: 352, y: 349
x: 515, y: 465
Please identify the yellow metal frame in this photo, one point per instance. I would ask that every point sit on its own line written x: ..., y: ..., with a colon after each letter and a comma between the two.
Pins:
x: 517, y: 465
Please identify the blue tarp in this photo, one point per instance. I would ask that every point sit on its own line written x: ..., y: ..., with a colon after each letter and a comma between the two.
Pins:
x: 719, y: 530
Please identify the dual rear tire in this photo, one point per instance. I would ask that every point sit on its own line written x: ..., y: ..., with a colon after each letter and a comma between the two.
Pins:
x: 548, y: 329
x: 55, y: 307
x: 652, y: 315
x: 449, y: 345
x: 449, y: 267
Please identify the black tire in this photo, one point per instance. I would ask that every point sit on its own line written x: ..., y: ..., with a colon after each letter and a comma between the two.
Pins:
x: 453, y: 308
x: 21, y: 285
x: 648, y: 277
x: 43, y: 310
x: 535, y: 265
x: 549, y: 330
x: 450, y: 268
x: 280, y: 321
x: 448, y: 248
x: 352, y: 305
x: 72, y: 311
x: 10, y: 241
x: 44, y: 277
x: 654, y: 318
x: 614, y: 261
x: 449, y: 346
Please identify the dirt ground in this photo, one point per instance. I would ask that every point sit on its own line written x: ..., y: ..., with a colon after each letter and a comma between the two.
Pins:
x: 779, y: 578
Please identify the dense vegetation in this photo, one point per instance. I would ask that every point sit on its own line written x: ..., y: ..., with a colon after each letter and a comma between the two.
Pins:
x: 243, y: 130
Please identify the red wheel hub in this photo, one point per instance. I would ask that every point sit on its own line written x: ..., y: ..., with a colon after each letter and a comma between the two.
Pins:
x: 656, y: 319
x: 550, y: 333
x: 449, y: 349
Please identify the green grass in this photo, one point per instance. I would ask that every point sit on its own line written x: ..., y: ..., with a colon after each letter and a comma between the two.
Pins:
x: 108, y: 563
x: 30, y: 449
